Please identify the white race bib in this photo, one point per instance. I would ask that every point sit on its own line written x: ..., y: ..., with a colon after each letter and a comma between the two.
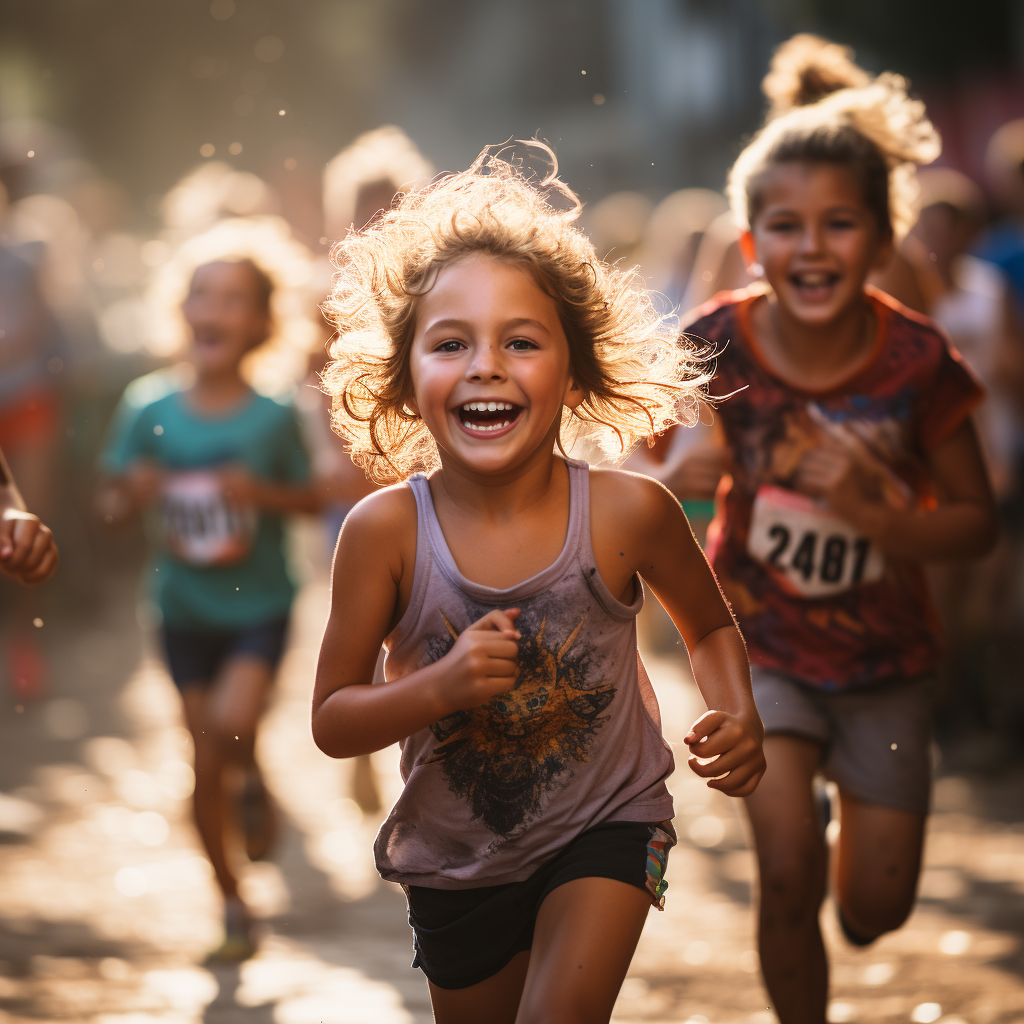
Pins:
x: 200, y: 526
x: 811, y: 550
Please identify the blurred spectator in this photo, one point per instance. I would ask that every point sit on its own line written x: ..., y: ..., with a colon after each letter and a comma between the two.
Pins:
x: 616, y: 225
x: 1003, y: 245
x: 972, y: 300
x: 672, y: 239
x: 360, y: 183
x: 31, y: 350
x: 718, y: 265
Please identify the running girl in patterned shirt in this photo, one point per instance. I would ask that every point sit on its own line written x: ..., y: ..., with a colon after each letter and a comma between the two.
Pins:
x: 478, y: 334
x: 853, y: 460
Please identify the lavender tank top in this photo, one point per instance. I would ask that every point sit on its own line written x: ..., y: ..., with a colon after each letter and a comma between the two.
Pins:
x: 492, y: 793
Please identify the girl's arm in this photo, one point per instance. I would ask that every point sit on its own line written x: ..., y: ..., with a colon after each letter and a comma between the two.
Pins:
x: 641, y: 529
x: 271, y: 495
x: 963, y: 525
x: 690, y: 473
x: 375, y: 556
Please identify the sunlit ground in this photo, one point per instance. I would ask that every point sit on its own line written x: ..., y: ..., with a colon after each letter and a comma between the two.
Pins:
x: 107, y: 908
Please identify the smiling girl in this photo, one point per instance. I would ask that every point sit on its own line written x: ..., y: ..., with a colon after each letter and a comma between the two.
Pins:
x: 222, y: 465
x: 854, y: 460
x: 478, y: 333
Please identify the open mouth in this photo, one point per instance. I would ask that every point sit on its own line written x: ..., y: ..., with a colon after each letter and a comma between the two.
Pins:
x: 488, y: 418
x: 814, y: 284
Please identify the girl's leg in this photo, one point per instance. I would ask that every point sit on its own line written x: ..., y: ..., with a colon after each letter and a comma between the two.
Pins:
x: 879, y: 858
x: 222, y: 719
x: 495, y: 1000
x: 208, y: 796
x: 792, y: 864
x: 237, y: 701
x: 584, y: 939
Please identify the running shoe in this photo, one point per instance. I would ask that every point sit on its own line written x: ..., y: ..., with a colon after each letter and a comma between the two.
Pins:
x: 239, y: 940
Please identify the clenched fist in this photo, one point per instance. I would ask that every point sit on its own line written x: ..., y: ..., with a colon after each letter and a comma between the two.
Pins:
x: 484, y: 661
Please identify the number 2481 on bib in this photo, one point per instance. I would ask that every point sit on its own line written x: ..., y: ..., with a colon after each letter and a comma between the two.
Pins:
x: 811, y: 550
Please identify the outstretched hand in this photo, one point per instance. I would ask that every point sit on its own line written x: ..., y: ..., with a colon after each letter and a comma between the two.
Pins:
x: 727, y: 752
x: 28, y: 552
x: 484, y: 661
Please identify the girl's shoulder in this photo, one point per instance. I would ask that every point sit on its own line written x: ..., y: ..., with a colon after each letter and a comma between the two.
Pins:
x: 386, y: 518
x: 903, y: 324
x: 718, y: 320
x: 622, y: 501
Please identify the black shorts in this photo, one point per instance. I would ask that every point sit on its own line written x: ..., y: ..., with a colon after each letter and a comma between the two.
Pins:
x: 464, y: 936
x: 195, y: 656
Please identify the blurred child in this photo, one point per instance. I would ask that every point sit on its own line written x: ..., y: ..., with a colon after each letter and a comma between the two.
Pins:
x: 853, y: 461
x: 28, y: 552
x: 972, y: 301
x: 360, y: 184
x: 225, y: 465
x: 478, y: 333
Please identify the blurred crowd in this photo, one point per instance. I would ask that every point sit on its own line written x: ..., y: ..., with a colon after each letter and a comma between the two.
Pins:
x: 88, y: 304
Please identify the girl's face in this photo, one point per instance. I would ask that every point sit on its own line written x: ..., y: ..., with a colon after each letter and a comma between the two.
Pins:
x: 815, y: 238
x: 490, y: 365
x: 225, y: 313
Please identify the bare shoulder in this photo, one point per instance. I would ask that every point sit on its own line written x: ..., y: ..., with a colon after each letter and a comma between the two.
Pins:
x: 630, y: 502
x: 382, y: 523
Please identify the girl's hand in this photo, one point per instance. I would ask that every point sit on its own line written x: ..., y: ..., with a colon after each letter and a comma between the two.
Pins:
x: 144, y: 481
x: 832, y: 474
x: 240, y: 487
x: 28, y: 552
x: 483, y: 662
x: 734, y: 747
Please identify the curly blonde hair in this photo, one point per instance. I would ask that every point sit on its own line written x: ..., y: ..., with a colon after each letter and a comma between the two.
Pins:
x: 825, y: 109
x: 636, y: 376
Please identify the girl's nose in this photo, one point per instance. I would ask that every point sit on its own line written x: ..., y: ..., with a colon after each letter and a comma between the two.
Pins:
x: 486, y: 364
x: 810, y: 241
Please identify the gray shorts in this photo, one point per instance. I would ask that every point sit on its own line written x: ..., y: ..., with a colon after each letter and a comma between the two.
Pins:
x: 876, y: 739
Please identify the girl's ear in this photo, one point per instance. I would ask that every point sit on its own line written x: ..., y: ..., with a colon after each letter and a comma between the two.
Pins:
x: 573, y: 395
x: 748, y: 250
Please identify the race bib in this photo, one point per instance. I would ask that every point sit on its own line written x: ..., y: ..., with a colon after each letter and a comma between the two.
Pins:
x: 810, y: 549
x: 200, y: 526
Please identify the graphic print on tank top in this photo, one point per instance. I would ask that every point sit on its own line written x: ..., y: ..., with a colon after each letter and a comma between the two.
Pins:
x: 504, y: 755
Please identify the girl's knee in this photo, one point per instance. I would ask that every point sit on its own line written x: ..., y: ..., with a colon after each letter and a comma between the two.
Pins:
x: 876, y: 910
x: 793, y: 884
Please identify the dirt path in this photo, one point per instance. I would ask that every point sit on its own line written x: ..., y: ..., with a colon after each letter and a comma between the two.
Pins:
x: 107, y: 909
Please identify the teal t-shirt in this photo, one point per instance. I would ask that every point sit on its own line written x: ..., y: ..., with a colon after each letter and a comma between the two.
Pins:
x: 261, y: 434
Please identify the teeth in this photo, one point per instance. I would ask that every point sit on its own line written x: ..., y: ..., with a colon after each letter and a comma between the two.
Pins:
x: 486, y: 429
x: 487, y: 407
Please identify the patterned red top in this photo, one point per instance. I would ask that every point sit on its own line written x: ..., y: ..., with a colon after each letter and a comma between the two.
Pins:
x: 813, y: 598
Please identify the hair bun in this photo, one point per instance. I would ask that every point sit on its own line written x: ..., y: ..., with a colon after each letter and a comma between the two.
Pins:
x: 807, y: 68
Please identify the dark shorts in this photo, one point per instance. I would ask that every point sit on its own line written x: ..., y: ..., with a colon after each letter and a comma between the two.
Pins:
x: 876, y: 740
x: 195, y: 656
x: 464, y: 936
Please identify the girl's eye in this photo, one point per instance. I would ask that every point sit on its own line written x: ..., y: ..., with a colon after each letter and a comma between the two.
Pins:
x: 451, y: 345
x: 841, y: 224
x: 783, y: 226
x: 521, y: 344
